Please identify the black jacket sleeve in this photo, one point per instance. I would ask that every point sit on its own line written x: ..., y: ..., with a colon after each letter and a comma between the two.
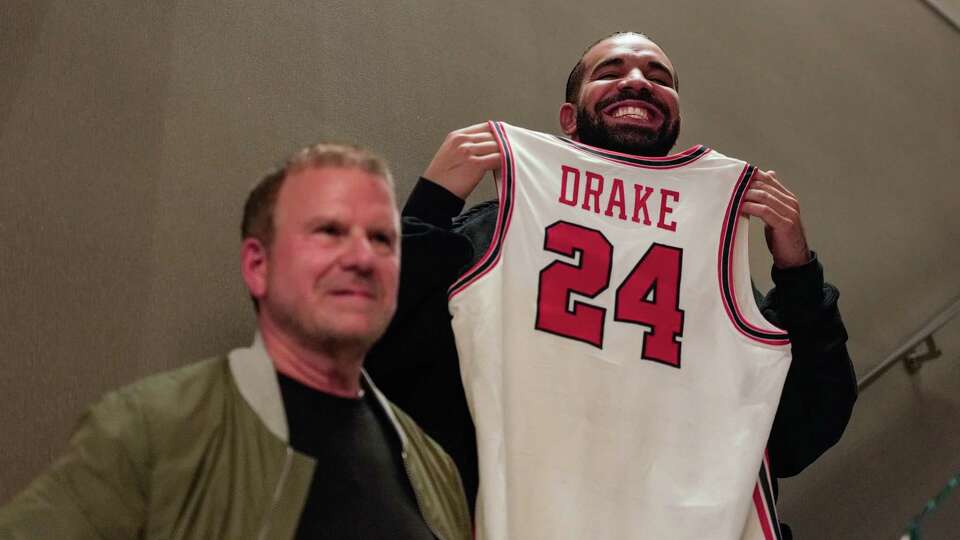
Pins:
x: 821, y: 387
x: 415, y: 362
x: 432, y: 256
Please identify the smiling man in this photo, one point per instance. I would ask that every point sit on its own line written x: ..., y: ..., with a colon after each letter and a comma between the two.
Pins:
x: 621, y: 96
x: 630, y: 100
x: 287, y: 438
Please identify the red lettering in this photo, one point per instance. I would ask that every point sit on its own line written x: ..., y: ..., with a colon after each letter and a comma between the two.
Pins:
x: 664, y: 209
x: 592, y: 192
x: 640, y: 203
x: 567, y: 171
x: 616, y: 199
x: 615, y: 205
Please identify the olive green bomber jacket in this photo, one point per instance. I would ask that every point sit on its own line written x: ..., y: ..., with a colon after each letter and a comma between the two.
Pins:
x: 202, y: 452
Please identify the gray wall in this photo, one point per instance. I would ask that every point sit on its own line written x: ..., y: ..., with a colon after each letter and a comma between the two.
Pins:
x: 130, y: 131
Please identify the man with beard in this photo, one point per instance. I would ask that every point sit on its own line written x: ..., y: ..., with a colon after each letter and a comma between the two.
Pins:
x: 620, y: 96
x: 287, y: 438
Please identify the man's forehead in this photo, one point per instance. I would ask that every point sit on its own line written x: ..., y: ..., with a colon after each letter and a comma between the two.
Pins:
x: 320, y: 188
x: 624, y: 44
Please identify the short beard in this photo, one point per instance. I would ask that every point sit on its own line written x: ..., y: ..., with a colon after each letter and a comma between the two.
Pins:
x: 591, y: 130
x: 304, y: 330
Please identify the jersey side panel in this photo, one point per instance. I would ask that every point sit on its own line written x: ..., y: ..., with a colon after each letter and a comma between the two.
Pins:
x: 762, y: 521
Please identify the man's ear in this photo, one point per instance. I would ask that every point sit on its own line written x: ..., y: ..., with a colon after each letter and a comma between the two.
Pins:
x: 568, y: 119
x: 253, y: 266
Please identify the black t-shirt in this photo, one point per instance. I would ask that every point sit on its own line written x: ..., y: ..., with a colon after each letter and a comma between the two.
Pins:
x: 360, y: 488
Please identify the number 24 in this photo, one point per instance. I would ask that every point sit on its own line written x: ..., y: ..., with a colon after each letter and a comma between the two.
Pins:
x: 648, y: 296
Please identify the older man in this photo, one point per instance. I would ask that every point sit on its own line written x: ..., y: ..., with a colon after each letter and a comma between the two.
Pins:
x: 287, y: 438
x: 621, y: 96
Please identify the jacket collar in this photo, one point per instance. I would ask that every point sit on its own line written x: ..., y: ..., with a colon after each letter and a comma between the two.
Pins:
x: 256, y: 378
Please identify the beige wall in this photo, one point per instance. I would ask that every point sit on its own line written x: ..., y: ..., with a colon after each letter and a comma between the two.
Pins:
x: 129, y: 133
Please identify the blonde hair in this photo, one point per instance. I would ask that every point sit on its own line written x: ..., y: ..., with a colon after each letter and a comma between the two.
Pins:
x: 259, y: 208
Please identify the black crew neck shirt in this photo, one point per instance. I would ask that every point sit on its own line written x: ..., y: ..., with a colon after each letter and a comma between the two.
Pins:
x: 360, y: 489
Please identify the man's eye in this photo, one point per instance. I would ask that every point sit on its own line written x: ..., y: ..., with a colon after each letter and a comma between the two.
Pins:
x: 382, y: 239
x: 661, y: 79
x: 329, y: 229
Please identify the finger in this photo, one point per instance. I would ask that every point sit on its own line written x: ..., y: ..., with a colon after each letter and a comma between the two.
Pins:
x: 776, y: 182
x: 487, y: 161
x: 781, y: 208
x: 777, y: 191
x: 769, y: 195
x: 459, y: 138
x: 476, y: 128
x: 483, y: 148
x: 770, y: 178
x: 765, y: 213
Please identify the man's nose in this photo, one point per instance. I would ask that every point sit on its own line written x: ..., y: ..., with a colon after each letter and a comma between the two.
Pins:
x: 358, y: 252
x: 634, y: 79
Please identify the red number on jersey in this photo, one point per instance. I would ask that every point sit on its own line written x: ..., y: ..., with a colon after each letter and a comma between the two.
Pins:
x: 589, y: 277
x: 649, y: 295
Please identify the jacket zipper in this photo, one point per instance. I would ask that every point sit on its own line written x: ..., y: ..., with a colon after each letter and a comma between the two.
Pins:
x: 277, y: 491
x: 416, y: 495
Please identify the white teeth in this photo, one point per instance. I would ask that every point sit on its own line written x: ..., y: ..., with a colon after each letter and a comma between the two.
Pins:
x: 630, y: 111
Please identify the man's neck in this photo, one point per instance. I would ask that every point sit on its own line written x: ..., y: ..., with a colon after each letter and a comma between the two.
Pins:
x: 329, y: 370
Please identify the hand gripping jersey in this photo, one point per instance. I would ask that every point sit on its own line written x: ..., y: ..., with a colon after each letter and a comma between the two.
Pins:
x: 621, y: 378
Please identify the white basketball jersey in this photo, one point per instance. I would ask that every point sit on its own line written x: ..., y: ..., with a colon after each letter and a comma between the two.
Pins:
x: 620, y: 375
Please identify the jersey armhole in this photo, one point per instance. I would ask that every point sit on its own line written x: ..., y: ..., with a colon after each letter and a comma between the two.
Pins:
x: 733, y: 271
x: 505, y: 194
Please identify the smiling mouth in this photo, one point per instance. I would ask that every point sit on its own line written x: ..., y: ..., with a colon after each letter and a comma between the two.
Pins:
x: 352, y: 293
x: 629, y: 111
